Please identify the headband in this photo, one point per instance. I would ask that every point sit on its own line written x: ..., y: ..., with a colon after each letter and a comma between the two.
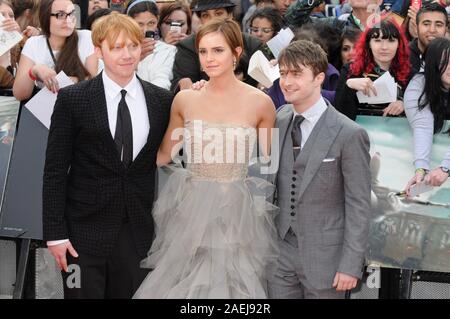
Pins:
x: 137, y: 2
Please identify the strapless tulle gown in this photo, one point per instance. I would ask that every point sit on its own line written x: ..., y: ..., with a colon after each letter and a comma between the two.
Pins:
x: 215, y: 234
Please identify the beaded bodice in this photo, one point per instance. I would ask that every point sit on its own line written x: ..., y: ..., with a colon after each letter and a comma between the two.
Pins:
x: 219, y: 152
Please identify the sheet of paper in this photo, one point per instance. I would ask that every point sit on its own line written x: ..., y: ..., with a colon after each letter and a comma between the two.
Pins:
x: 8, y: 39
x: 420, y: 188
x: 280, y: 41
x: 260, y: 69
x: 386, y: 91
x: 42, y: 104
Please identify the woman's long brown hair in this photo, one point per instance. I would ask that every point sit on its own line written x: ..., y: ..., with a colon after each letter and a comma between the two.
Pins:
x: 68, y: 59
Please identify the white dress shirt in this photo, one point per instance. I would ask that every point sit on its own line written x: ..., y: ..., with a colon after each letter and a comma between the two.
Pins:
x: 312, y: 116
x: 137, y: 105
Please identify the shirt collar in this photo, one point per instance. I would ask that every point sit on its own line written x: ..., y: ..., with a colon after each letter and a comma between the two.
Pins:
x: 357, y: 22
x: 314, y: 111
x: 113, y: 89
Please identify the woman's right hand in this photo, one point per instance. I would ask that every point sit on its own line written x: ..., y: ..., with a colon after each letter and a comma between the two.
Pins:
x: 47, y: 76
x: 10, y: 25
x: 394, y: 108
x: 31, y: 32
x: 174, y: 37
x: 365, y: 85
x: 412, y: 13
x: 412, y: 26
x: 147, y: 47
x: 418, y: 178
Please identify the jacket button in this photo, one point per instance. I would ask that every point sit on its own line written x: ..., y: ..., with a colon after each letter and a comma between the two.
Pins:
x: 292, y: 200
x: 293, y: 185
x: 294, y: 172
x: 294, y: 178
x: 292, y: 193
x: 292, y: 214
x: 292, y: 206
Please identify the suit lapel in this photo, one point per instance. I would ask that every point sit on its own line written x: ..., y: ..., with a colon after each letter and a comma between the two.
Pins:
x: 99, y: 109
x: 319, y: 146
x: 284, y: 119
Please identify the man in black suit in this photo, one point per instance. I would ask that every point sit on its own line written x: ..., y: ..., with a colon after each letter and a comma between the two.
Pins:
x: 99, y: 176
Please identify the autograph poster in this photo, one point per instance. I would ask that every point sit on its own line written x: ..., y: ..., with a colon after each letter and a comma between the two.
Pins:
x: 405, y: 233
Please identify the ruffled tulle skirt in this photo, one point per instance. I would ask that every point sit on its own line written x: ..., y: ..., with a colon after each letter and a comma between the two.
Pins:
x: 214, y: 239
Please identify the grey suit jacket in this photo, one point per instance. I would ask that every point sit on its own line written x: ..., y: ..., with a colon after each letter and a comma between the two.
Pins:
x: 332, y: 202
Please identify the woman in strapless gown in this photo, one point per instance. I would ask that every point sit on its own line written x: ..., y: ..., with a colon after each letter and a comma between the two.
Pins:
x: 215, y: 232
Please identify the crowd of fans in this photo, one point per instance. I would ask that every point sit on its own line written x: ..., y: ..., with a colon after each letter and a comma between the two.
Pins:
x: 362, y: 38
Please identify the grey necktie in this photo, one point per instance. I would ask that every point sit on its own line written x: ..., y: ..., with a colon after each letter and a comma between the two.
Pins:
x: 296, y: 134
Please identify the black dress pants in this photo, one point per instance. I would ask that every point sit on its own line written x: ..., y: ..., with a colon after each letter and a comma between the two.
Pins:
x: 115, y: 276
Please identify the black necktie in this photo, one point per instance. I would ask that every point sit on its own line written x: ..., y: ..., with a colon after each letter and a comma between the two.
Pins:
x: 296, y: 134
x: 124, y: 132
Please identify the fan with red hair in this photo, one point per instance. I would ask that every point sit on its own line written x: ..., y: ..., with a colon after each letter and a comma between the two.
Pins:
x: 381, y: 48
x: 364, y: 62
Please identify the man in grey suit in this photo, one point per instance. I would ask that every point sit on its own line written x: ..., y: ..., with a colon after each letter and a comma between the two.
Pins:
x: 323, y: 185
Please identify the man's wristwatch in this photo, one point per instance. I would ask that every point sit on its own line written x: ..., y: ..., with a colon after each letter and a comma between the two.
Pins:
x: 445, y: 170
x: 423, y: 171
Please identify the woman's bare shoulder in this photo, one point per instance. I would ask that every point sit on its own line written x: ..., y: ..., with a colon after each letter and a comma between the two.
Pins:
x: 185, y: 100
x: 187, y: 97
x: 258, y: 98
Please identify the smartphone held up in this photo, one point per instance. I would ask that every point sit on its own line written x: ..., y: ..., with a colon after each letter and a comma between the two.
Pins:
x: 175, y: 27
x: 150, y: 34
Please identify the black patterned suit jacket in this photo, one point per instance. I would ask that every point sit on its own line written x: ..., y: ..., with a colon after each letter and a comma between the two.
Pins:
x: 87, y: 192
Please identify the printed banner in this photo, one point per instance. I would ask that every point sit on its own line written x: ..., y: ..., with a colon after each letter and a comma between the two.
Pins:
x: 405, y: 233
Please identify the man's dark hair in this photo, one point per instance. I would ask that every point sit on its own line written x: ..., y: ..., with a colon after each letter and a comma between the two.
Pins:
x: 432, y: 7
x: 306, y: 53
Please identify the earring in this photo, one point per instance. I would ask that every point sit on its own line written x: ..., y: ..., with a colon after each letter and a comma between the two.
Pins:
x: 201, y: 68
x: 234, y: 64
